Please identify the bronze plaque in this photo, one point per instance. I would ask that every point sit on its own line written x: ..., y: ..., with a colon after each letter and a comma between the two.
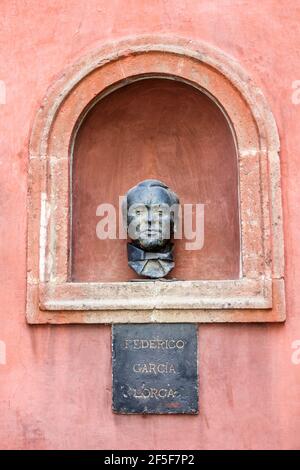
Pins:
x: 155, y: 368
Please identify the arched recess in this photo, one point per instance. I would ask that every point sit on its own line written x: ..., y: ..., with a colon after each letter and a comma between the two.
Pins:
x: 258, y: 295
x: 156, y: 128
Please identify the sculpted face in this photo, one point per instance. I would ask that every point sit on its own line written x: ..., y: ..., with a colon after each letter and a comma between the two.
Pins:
x: 150, y: 221
x: 150, y: 210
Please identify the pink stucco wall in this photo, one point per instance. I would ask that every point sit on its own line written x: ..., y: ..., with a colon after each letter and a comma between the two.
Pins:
x: 55, y: 385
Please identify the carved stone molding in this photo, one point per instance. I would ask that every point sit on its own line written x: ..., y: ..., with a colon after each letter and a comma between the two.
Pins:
x: 257, y: 296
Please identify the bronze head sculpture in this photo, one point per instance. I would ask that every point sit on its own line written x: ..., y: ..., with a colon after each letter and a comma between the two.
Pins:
x: 150, y: 211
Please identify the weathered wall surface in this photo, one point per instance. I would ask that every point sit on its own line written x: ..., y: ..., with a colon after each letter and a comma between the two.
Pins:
x: 55, y: 382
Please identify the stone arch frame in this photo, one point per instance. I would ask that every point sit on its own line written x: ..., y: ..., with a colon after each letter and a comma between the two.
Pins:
x: 257, y: 296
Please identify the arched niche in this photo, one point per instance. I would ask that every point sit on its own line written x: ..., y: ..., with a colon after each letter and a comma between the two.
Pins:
x: 56, y: 293
x: 156, y: 128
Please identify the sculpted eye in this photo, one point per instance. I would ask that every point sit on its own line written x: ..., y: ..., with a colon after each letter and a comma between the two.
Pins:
x: 159, y: 212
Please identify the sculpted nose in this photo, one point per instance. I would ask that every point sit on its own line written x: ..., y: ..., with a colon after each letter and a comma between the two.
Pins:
x: 150, y: 217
